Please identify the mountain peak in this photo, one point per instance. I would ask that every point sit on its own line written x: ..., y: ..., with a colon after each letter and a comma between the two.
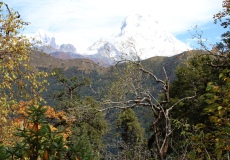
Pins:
x: 135, y: 23
x: 48, y: 43
x: 68, y: 48
x: 46, y: 38
x: 140, y: 35
x: 139, y: 20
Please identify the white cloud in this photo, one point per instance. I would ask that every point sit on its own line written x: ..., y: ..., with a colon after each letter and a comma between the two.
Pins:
x: 81, y: 22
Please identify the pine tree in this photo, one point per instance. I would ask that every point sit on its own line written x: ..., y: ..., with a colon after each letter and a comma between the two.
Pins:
x: 131, y: 133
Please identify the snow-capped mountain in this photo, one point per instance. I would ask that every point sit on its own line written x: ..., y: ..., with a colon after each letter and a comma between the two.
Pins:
x: 68, y: 48
x: 139, y: 37
x: 47, y: 43
x: 46, y: 40
x: 103, y: 52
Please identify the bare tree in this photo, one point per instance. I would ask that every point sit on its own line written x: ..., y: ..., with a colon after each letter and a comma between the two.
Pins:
x: 132, y: 92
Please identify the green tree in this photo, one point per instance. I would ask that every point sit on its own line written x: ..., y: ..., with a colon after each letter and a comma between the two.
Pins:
x: 70, y: 87
x: 89, y: 125
x: 207, y: 74
x: 129, y: 128
x: 193, y: 77
x: 131, y: 133
x: 38, y: 139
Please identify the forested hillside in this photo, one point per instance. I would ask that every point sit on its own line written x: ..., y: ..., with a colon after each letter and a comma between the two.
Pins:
x: 100, y: 77
x: 159, y: 108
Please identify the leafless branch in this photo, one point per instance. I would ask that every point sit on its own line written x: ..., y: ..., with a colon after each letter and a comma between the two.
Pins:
x: 152, y: 75
x: 185, y: 98
x: 8, y: 9
x: 162, y: 124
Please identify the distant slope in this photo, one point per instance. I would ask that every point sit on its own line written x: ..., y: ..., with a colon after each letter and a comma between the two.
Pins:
x: 66, y: 55
x: 81, y: 68
x: 156, y: 65
x: 101, y: 77
x: 47, y: 62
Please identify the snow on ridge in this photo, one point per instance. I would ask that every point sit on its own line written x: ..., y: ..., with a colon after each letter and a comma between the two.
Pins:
x: 135, y: 22
x: 47, y: 43
x: 46, y: 38
x: 139, y: 35
x: 142, y: 35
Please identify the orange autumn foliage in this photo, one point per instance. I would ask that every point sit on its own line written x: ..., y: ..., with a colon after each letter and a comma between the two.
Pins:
x: 19, y: 120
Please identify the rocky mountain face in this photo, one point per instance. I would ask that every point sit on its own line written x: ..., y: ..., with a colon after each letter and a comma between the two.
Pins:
x: 139, y: 37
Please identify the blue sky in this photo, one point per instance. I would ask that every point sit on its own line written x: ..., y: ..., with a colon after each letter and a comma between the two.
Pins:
x: 82, y: 22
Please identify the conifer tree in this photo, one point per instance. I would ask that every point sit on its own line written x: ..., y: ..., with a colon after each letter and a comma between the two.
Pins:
x: 131, y: 133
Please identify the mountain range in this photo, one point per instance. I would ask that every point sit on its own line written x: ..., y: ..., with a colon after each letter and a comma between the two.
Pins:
x: 139, y: 37
x: 47, y: 43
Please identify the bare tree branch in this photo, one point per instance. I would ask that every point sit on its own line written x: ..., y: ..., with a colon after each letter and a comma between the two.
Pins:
x: 162, y: 124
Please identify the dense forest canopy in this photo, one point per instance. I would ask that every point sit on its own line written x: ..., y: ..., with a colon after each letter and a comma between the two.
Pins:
x: 175, y: 108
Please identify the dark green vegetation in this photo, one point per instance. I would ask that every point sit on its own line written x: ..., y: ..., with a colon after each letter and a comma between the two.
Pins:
x: 160, y: 108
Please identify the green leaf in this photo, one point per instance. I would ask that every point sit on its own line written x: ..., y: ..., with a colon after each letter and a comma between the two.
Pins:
x: 219, y: 107
x: 209, y: 86
x: 55, y: 144
x: 221, y: 75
